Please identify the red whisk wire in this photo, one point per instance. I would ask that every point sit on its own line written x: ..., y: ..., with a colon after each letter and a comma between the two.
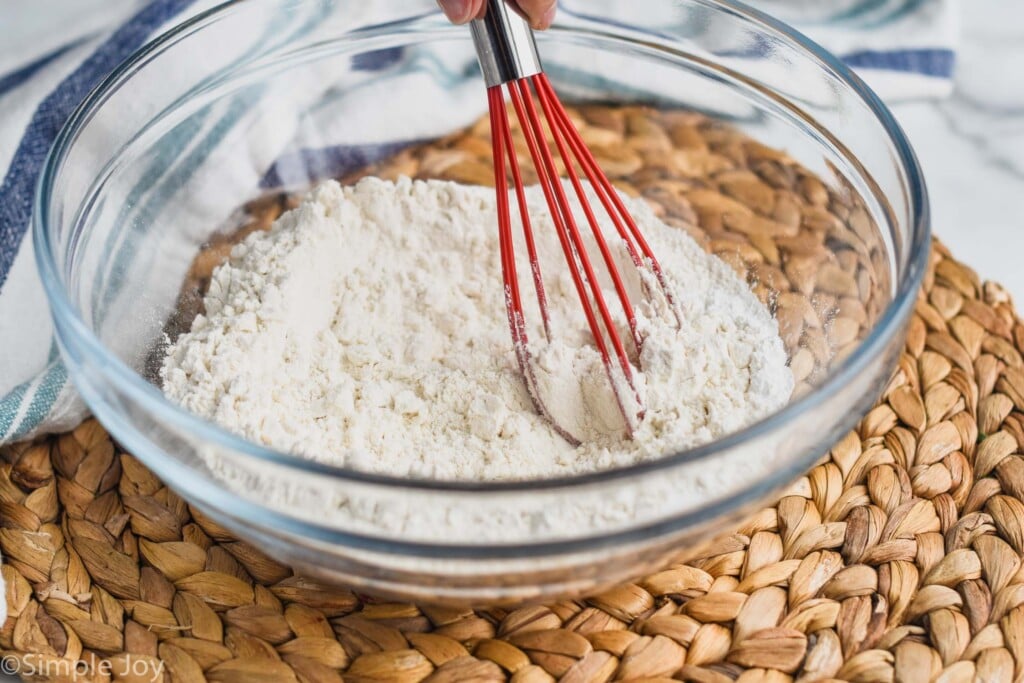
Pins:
x: 512, y: 298
x: 573, y: 246
x: 508, y: 57
x: 578, y: 162
x: 556, y: 114
x: 565, y: 225
x: 606, y: 192
x: 570, y: 239
x: 548, y: 189
x: 513, y: 301
x: 524, y: 214
x: 596, y: 177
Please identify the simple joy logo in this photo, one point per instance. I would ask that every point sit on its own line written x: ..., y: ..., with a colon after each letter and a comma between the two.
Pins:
x: 32, y: 666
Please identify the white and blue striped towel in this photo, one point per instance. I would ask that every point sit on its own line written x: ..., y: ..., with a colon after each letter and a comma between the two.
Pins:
x: 904, y: 48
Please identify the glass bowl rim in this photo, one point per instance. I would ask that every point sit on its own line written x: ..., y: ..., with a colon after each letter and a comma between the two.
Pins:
x: 147, y: 395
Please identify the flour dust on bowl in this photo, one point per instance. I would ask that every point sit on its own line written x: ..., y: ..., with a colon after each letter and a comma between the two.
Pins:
x: 782, y: 192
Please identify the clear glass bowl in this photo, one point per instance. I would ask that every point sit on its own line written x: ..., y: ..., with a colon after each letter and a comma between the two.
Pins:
x: 152, y: 165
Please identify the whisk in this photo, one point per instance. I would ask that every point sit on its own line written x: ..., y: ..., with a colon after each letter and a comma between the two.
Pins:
x: 509, y: 60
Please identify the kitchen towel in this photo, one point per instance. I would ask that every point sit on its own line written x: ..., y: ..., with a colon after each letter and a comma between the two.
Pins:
x: 904, y: 48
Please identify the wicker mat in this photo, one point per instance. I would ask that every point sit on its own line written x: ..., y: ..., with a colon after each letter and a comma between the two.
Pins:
x: 899, y: 558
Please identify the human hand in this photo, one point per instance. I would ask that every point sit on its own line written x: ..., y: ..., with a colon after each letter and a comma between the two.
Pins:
x: 540, y: 12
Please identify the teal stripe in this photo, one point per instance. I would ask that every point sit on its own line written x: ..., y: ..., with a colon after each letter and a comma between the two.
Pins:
x: 54, y: 379
x: 908, y: 8
x: 9, y: 407
x: 873, y: 14
x: 170, y: 184
x: 420, y: 62
x: 47, y: 394
x: 169, y: 149
x: 161, y: 185
x: 585, y: 86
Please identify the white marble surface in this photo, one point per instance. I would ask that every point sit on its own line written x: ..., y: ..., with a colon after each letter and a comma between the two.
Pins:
x: 971, y: 146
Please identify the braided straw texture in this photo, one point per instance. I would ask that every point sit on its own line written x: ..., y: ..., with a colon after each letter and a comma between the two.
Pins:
x: 897, y: 558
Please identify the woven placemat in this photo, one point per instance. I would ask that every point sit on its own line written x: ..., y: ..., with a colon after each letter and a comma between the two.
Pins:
x: 898, y: 558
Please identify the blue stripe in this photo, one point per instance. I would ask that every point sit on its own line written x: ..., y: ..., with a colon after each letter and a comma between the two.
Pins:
x: 16, y: 78
x: 306, y: 165
x: 19, y: 183
x: 46, y: 394
x: 377, y: 60
x: 310, y: 165
x: 935, y: 62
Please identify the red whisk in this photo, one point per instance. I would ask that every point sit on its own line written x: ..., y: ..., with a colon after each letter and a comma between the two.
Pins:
x: 509, y: 60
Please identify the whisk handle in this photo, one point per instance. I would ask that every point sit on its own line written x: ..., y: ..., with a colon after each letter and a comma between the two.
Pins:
x: 504, y: 44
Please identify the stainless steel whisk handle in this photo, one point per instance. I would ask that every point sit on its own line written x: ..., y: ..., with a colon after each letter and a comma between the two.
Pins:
x: 504, y: 44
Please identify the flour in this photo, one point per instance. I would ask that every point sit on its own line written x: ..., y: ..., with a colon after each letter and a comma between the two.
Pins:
x: 367, y: 329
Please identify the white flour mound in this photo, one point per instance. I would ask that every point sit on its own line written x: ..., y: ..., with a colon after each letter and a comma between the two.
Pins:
x: 367, y: 328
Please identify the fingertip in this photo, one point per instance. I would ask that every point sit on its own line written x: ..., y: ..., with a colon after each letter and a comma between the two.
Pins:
x: 540, y: 13
x: 457, y: 11
x: 547, y: 18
